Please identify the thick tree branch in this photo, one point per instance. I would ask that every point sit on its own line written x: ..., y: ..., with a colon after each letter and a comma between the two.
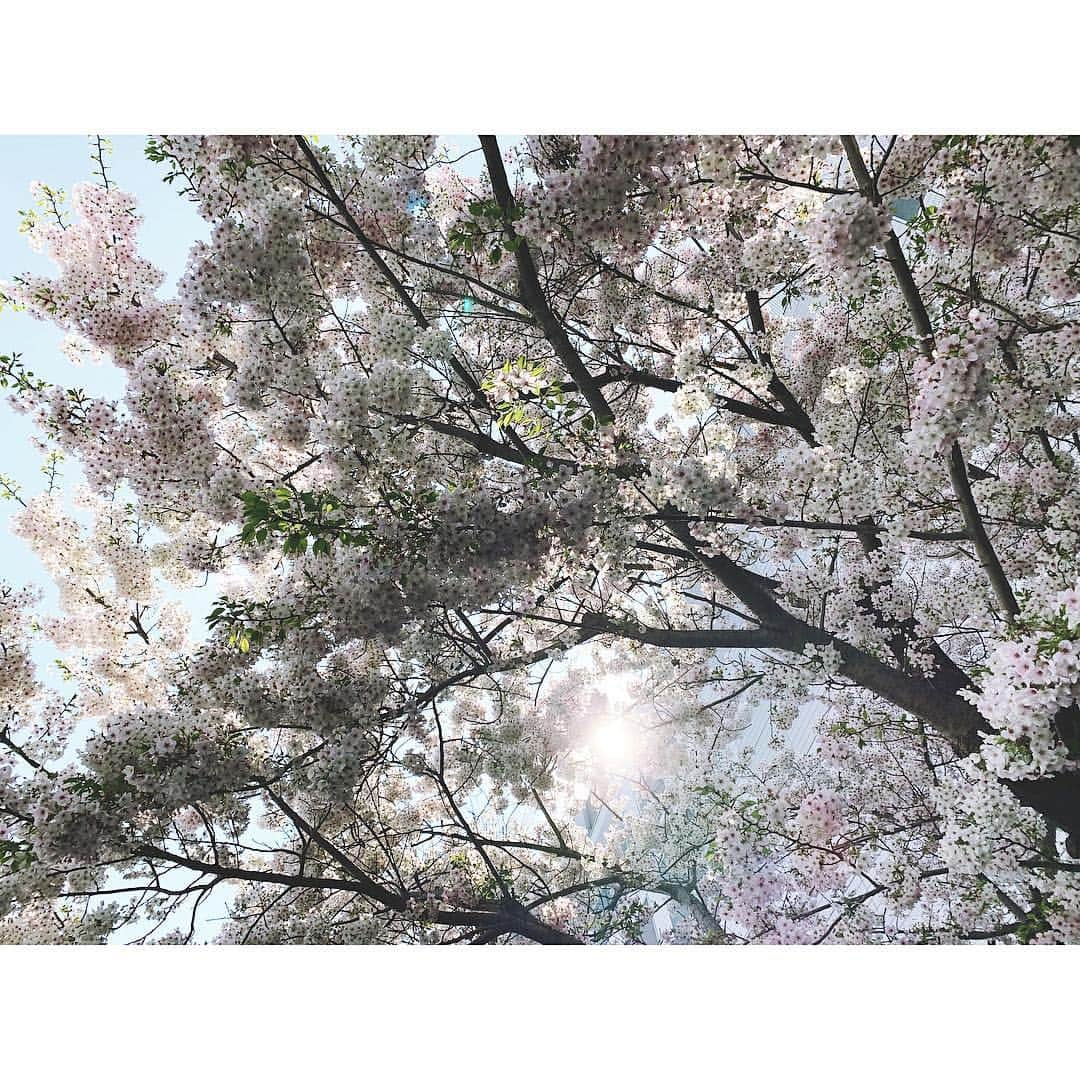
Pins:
x: 532, y: 293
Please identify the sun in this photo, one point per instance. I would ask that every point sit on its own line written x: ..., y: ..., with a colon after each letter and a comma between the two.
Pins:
x: 612, y: 741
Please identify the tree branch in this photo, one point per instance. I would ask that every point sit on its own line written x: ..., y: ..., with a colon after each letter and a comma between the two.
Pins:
x: 533, y: 295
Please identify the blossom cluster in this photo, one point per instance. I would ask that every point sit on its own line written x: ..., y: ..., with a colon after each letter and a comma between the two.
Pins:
x: 1029, y: 681
x: 106, y: 291
x: 949, y: 383
x: 845, y: 234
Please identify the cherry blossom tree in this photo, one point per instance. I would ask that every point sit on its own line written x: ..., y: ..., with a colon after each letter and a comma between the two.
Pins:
x: 665, y: 433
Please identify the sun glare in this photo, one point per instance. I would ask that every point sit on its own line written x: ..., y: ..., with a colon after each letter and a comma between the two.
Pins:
x: 612, y: 744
